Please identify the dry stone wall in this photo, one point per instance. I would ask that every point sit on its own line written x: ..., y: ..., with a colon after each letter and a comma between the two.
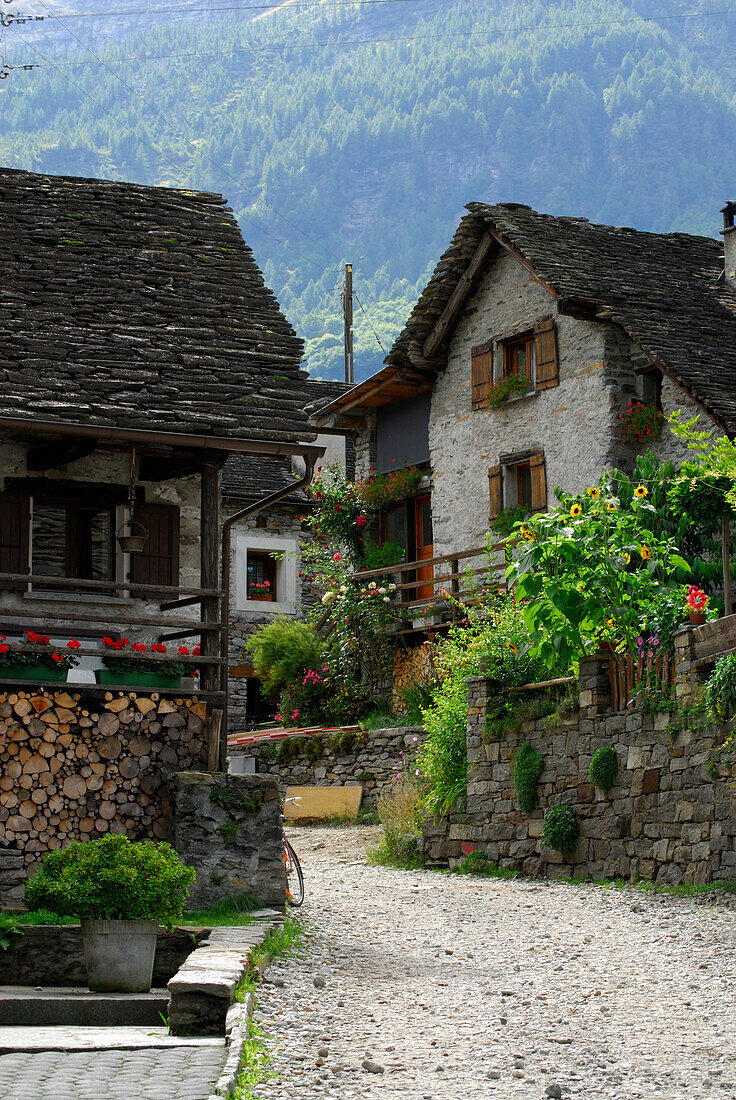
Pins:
x: 373, y: 762
x: 666, y: 818
x: 76, y: 767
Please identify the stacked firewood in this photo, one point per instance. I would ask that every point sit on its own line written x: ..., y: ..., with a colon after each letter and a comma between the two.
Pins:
x: 68, y: 772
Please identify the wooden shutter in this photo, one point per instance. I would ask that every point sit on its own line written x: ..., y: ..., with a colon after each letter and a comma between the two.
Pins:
x: 495, y: 487
x: 539, y: 483
x: 548, y: 367
x: 158, y: 563
x: 481, y: 359
x: 15, y: 523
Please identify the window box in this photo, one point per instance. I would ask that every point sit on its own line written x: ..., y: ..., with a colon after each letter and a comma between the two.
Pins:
x: 515, y: 366
x: 136, y: 679
x: 34, y: 672
x: 260, y: 597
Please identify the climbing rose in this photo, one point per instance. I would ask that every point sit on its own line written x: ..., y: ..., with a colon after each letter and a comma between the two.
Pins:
x: 362, y: 521
x: 337, y: 557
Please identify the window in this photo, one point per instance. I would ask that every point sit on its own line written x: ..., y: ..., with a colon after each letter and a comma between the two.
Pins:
x: 14, y: 536
x: 519, y: 481
x: 69, y: 541
x: 261, y: 576
x: 519, y: 358
x: 650, y: 388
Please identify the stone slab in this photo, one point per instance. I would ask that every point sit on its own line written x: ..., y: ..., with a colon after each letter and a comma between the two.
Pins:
x: 34, y: 1039
x: 48, y: 1007
x: 322, y: 802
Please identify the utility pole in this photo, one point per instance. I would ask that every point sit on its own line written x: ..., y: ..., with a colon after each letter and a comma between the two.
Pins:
x: 347, y: 308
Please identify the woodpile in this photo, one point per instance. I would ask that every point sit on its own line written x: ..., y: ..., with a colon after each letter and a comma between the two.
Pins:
x: 70, y: 772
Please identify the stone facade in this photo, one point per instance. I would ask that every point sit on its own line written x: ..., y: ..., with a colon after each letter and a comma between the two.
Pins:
x: 665, y: 819
x: 373, y: 762
x: 76, y: 768
x: 229, y: 829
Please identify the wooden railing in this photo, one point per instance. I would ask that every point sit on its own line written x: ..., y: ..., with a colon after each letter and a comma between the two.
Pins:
x: 138, y: 609
x: 630, y: 676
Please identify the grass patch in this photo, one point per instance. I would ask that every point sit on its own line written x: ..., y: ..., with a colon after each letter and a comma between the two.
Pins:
x: 477, y: 864
x: 38, y: 916
x: 235, y: 910
x: 255, y: 1070
x: 684, y: 890
x: 407, y: 860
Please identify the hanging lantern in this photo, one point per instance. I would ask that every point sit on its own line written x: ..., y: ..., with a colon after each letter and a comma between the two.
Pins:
x: 135, y: 540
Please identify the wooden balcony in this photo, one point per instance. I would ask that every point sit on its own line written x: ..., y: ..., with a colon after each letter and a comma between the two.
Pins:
x: 90, y: 610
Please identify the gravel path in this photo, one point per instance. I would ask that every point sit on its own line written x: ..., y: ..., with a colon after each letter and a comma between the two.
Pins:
x: 421, y: 985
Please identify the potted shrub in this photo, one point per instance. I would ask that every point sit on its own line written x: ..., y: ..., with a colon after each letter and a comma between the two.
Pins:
x: 120, y: 890
x: 697, y: 602
x: 34, y: 658
x: 139, y: 671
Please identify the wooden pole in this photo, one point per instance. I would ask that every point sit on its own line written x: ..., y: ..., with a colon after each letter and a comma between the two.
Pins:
x: 210, y: 569
x: 726, y: 543
x: 347, y: 307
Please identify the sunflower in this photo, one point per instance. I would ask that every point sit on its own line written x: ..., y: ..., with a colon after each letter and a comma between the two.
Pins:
x: 594, y: 493
x: 645, y: 552
x: 596, y: 511
x: 527, y: 534
x: 627, y: 558
x: 576, y: 511
x: 641, y: 491
x: 612, y: 508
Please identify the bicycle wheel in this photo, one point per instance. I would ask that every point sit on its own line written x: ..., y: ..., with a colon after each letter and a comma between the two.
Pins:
x: 294, y: 876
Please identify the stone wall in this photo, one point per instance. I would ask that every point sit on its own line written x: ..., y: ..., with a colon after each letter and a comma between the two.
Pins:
x: 665, y: 819
x: 372, y: 763
x: 229, y: 829
x: 77, y: 767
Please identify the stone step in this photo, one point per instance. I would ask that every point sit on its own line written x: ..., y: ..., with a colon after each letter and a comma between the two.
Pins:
x: 22, y: 1006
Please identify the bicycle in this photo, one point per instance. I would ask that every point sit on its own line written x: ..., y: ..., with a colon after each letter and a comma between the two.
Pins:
x: 294, y: 875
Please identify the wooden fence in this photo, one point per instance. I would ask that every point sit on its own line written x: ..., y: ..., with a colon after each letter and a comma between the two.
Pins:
x: 632, y: 675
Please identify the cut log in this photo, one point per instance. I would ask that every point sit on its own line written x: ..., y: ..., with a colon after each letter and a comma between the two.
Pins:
x: 109, y: 748
x: 108, y: 724
x: 94, y: 782
x: 116, y: 705
x: 74, y: 787
x: 145, y: 705
x: 28, y: 809
x: 22, y: 708
x: 129, y: 767
x: 139, y: 746
x: 34, y: 765
x: 40, y: 703
x: 63, y: 699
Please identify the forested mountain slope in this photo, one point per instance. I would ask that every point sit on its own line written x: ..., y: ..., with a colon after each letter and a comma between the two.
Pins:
x: 368, y: 126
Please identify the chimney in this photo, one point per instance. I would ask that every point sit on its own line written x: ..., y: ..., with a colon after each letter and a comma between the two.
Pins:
x: 729, y: 242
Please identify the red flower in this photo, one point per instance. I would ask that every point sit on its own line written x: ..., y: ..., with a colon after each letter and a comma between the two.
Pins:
x: 139, y: 648
x: 73, y: 644
x: 361, y: 521
x: 56, y: 657
x: 4, y: 648
x: 196, y: 651
x: 337, y: 557
x: 183, y: 651
x: 158, y: 648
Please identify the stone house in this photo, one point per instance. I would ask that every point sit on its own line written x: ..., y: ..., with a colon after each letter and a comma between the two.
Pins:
x: 139, y: 349
x: 268, y: 579
x: 576, y: 320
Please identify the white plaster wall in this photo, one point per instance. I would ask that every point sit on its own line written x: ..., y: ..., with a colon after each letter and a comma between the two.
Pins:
x: 570, y: 423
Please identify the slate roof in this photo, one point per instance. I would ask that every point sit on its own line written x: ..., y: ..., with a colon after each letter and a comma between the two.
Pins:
x: 245, y: 478
x: 665, y: 290
x: 139, y: 307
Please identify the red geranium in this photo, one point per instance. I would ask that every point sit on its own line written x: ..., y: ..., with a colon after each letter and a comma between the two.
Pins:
x: 73, y: 644
x: 138, y: 647
x: 183, y: 651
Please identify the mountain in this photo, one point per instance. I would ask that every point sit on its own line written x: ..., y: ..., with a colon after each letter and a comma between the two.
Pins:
x: 358, y: 131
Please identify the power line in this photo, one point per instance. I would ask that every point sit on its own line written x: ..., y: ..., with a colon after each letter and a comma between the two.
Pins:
x: 279, y: 44
x: 178, y: 133
x: 22, y: 17
x: 378, y: 339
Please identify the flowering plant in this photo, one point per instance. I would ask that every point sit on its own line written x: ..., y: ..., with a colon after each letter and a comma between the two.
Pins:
x: 380, y: 490
x: 36, y: 649
x: 642, y: 423
x: 123, y: 664
x: 696, y: 599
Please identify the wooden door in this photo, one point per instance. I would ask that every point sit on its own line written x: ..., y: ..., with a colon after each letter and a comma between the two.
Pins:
x: 425, y: 545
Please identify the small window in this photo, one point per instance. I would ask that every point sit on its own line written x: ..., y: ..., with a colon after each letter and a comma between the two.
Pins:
x: 261, y: 576
x: 650, y: 388
x: 519, y: 481
x: 519, y: 358
x: 68, y: 541
x: 524, y: 486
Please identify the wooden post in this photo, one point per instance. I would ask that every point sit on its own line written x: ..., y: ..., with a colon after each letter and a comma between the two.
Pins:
x: 210, y: 570
x: 213, y: 727
x: 347, y: 307
x: 726, y: 543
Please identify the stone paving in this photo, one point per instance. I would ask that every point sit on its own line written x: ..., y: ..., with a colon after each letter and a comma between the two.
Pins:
x: 421, y: 986
x: 184, y: 1073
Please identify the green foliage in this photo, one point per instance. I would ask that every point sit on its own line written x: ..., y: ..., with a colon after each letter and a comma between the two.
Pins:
x: 381, y: 490
x: 642, y: 423
x: 282, y: 652
x: 443, y: 758
x: 589, y: 569
x: 230, y: 911
x: 720, y: 690
x: 528, y: 766
x: 512, y: 385
x: 603, y: 768
x: 507, y: 519
x: 342, y: 742
x: 416, y: 698
x: 223, y: 796
x: 112, y: 878
x: 343, y: 514
x: 9, y: 927
x: 400, y: 811
x: 560, y: 829
x: 228, y: 831
x: 382, y: 557
x: 478, y: 864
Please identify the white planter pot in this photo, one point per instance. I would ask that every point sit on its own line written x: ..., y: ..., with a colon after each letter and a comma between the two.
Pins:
x: 119, y: 954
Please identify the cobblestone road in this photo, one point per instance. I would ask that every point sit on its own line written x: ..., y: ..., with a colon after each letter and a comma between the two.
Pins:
x: 451, y: 988
x: 182, y: 1074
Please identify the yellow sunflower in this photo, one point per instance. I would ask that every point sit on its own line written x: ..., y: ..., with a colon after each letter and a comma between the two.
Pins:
x: 576, y: 511
x: 645, y: 552
x: 527, y: 534
x: 594, y: 493
x: 596, y: 511
x: 641, y: 491
x: 627, y: 558
x: 612, y: 508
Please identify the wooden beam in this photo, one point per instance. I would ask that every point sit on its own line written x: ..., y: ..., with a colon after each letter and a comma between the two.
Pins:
x: 458, y: 298
x: 210, y: 567
x: 521, y: 258
x: 170, y: 467
x: 51, y: 456
x: 726, y: 544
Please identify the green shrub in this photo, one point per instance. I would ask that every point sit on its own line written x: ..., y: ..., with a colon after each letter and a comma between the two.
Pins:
x: 416, y: 698
x: 604, y: 768
x: 313, y: 748
x: 478, y: 864
x: 282, y: 652
x: 528, y: 766
x: 400, y: 813
x: 720, y: 690
x: 222, y: 796
x: 112, y: 878
x: 561, y: 829
x: 443, y: 757
x: 228, y: 831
